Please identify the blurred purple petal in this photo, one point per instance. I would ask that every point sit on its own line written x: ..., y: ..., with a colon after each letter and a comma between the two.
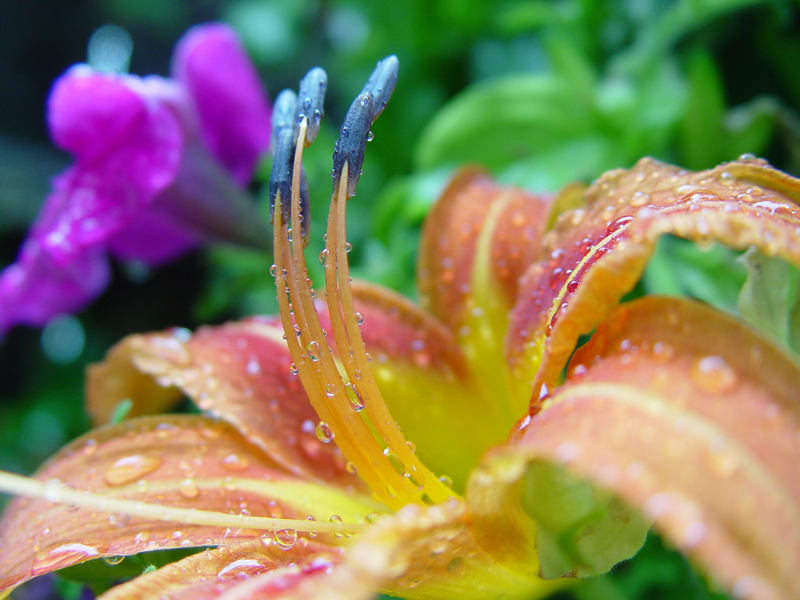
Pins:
x: 127, y: 150
x: 145, y: 184
x: 36, y: 288
x: 232, y: 105
x: 154, y: 237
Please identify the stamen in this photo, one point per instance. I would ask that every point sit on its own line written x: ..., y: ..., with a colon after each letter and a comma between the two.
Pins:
x: 55, y: 491
x: 392, y: 471
x: 317, y: 370
x: 346, y: 332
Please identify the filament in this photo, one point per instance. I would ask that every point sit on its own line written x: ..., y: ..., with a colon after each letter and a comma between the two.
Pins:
x: 55, y: 491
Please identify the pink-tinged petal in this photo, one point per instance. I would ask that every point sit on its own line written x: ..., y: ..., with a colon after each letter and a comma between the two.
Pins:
x: 36, y: 287
x: 472, y: 208
x: 693, y: 418
x: 451, y: 416
x: 239, y: 372
x: 231, y: 102
x: 248, y: 570
x: 597, y: 254
x: 174, y: 461
x: 477, y: 241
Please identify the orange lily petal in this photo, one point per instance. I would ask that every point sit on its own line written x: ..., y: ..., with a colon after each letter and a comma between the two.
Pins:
x: 598, y: 254
x: 477, y: 241
x: 432, y: 552
x: 246, y: 570
x: 240, y: 372
x: 691, y: 416
x: 184, y: 461
x: 427, y: 383
x: 116, y: 379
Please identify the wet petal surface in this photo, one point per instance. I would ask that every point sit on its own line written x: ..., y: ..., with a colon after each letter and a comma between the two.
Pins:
x: 693, y: 418
x: 598, y: 253
x: 182, y: 461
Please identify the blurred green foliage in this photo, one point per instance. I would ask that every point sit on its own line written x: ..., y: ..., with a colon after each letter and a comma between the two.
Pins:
x: 540, y: 92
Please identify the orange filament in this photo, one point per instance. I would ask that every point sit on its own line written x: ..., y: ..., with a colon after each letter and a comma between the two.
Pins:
x: 347, y: 334
x: 408, y: 482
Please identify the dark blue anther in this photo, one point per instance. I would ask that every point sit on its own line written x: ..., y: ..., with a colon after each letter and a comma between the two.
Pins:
x: 310, y: 100
x: 352, y: 142
x: 381, y: 84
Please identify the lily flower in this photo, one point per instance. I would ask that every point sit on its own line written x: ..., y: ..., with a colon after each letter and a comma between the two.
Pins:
x: 507, y: 479
x: 159, y: 168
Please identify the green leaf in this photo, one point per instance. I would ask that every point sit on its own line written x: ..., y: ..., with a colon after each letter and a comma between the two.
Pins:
x: 769, y: 297
x: 505, y: 120
x: 102, y: 573
x: 580, y: 529
x: 681, y: 268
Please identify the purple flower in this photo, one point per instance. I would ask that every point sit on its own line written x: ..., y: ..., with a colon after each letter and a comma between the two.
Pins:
x: 159, y: 168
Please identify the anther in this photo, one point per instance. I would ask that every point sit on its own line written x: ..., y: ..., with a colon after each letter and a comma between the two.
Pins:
x: 352, y: 142
x: 380, y: 84
x: 310, y: 98
x: 280, y: 179
x: 283, y: 114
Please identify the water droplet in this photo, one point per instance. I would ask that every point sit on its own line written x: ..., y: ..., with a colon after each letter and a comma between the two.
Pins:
x: 411, y: 483
x: 336, y: 519
x: 324, y: 432
x: 726, y: 178
x: 113, y: 560
x: 351, y: 468
x: 311, y: 534
x: 234, y: 462
x: 618, y: 224
x: 62, y: 556
x: 747, y: 157
x: 242, y: 569
x: 348, y: 247
x: 323, y: 256
x: 356, y: 401
x: 370, y: 136
x: 253, y: 367
x: 293, y: 369
x: 640, y: 199
x: 694, y: 534
x: 272, y: 270
x: 714, y: 375
x: 447, y: 480
x: 456, y: 566
x: 89, y: 447
x: 130, y: 468
x: 188, y: 488
x: 572, y: 286
x: 359, y: 318
x: 313, y: 351
x: 285, y: 538
x: 330, y: 390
